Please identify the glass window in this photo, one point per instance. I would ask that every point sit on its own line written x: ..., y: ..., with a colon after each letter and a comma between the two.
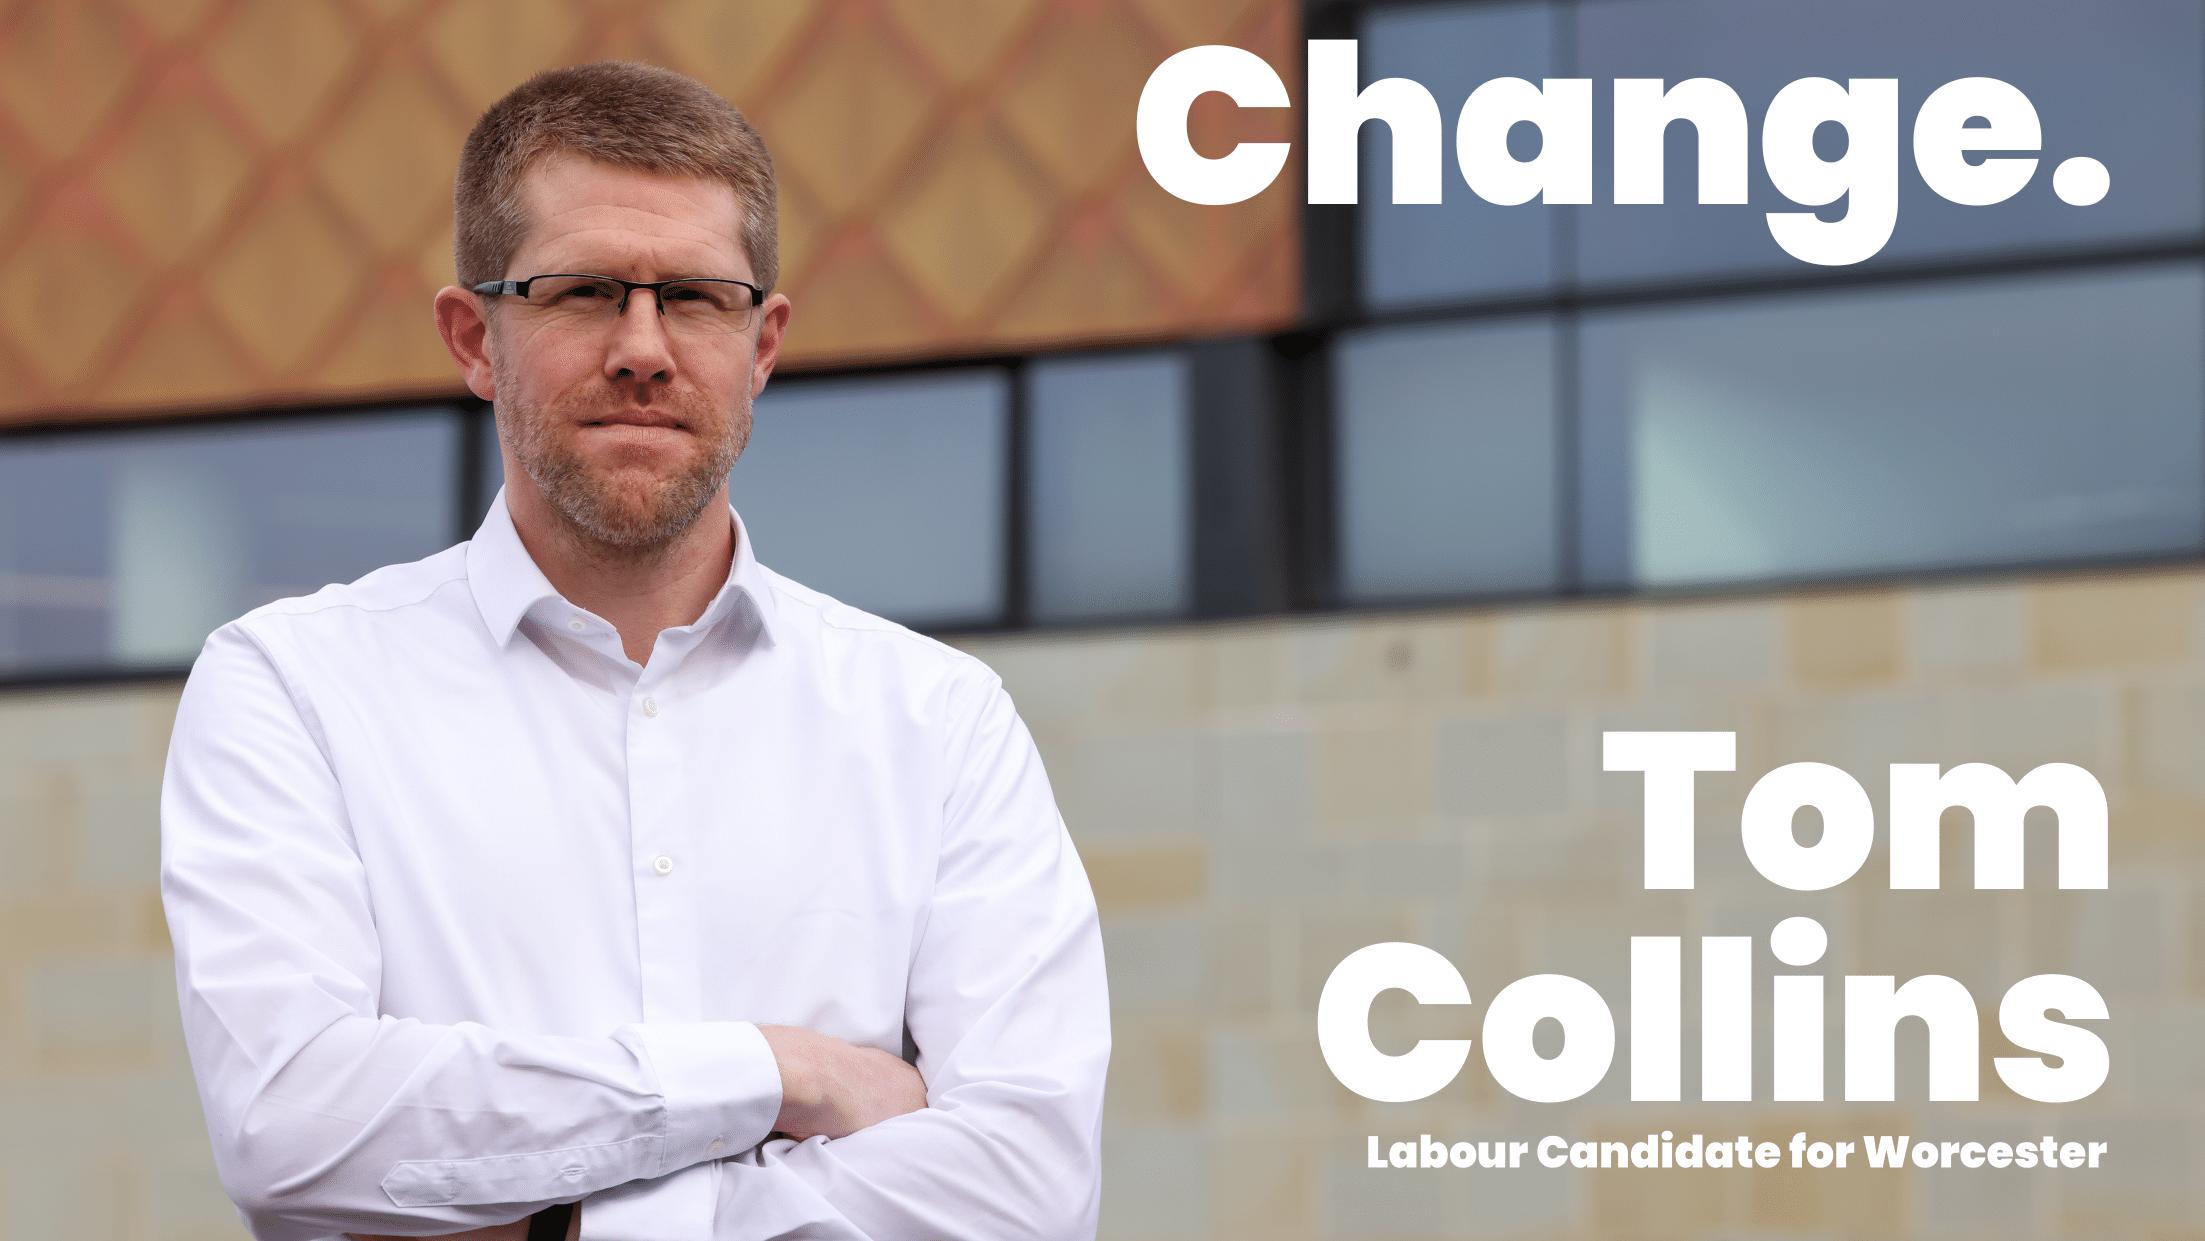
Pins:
x: 2015, y: 420
x: 124, y: 549
x: 1462, y: 247
x: 887, y: 493
x: 1107, y: 486
x: 2121, y: 81
x: 1446, y: 460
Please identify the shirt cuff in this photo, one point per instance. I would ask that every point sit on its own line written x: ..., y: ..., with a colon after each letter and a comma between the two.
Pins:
x: 721, y: 1085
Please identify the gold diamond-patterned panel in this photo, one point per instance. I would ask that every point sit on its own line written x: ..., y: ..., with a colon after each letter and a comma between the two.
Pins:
x: 176, y: 170
x: 735, y: 49
x: 485, y: 48
x: 218, y: 203
x: 388, y: 161
x: 961, y: 254
x: 863, y: 106
x: 963, y: 38
x: 63, y: 69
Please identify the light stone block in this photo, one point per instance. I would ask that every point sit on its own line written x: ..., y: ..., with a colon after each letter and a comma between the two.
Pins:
x: 1846, y: 640
x: 1566, y: 653
x: 1392, y: 1204
x: 38, y: 834
x: 2125, y: 939
x: 1323, y: 939
x: 2164, y: 734
x: 1247, y: 964
x: 1968, y: 632
x: 1118, y: 785
x: 1095, y: 681
x: 1162, y: 873
x: 1252, y: 874
x: 1264, y: 783
x: 2148, y: 1178
x: 1722, y: 644
x: 1275, y: 1072
x: 93, y: 1016
x: 1157, y: 1072
x: 118, y: 834
x: 1862, y: 733
x: 1502, y: 765
x: 1420, y: 873
x: 2100, y: 621
x: 1262, y: 1183
x: 1429, y: 657
x: 184, y: 1201
x: 1157, y: 961
x: 1371, y: 774
x: 2021, y: 727
x: 1156, y: 1184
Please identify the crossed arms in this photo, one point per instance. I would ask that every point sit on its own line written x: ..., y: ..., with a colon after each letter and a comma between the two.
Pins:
x: 328, y: 1117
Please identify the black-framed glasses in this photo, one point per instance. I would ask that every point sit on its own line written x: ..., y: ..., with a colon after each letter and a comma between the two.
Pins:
x: 702, y: 305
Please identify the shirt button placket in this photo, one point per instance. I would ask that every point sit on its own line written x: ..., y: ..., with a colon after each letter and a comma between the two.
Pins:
x: 663, y: 920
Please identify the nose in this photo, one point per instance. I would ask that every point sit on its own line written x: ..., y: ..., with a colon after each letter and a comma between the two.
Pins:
x: 639, y: 347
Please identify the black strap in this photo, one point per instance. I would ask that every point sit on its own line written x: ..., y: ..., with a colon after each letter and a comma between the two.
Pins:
x: 550, y: 1224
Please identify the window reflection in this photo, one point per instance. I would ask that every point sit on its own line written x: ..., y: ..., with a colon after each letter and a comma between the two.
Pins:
x: 1108, y: 461
x: 1446, y: 460
x: 125, y: 549
x: 2015, y: 420
x: 887, y: 493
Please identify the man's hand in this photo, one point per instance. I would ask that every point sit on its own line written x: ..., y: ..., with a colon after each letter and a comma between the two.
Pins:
x: 835, y: 1088
x: 515, y: 1231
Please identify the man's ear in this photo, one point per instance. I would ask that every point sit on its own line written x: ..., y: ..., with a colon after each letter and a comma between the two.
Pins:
x: 459, y: 320
x: 772, y: 325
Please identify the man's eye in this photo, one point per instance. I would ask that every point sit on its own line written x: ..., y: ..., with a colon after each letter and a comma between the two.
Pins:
x: 586, y: 290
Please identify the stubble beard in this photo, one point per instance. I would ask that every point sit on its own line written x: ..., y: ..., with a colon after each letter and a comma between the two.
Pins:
x: 629, y: 514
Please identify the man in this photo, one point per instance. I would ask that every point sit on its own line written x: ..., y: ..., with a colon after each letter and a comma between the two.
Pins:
x: 592, y: 862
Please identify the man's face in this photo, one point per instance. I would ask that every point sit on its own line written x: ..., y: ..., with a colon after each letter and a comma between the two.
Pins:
x: 557, y: 389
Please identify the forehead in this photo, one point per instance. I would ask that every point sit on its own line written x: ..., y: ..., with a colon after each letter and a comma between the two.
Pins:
x: 588, y: 216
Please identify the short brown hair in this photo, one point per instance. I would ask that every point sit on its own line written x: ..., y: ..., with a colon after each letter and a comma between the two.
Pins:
x: 620, y: 112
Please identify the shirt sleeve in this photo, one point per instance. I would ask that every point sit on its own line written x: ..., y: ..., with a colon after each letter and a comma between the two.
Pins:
x: 1008, y: 1007
x: 327, y: 1116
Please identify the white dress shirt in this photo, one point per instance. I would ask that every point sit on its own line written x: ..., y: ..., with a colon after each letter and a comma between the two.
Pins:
x: 473, y: 914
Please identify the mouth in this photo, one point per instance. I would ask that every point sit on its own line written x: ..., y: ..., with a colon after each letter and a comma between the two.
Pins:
x: 638, y: 418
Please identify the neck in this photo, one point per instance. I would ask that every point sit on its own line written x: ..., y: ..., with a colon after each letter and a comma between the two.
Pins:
x: 641, y: 590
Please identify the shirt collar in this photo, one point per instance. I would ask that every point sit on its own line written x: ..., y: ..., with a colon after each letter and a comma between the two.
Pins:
x: 506, y: 581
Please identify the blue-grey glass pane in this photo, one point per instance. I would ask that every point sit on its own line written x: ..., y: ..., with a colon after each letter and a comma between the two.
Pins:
x: 1463, y: 247
x: 1107, y: 443
x: 2015, y: 420
x: 885, y: 493
x: 2122, y: 81
x: 124, y: 549
x: 1446, y: 459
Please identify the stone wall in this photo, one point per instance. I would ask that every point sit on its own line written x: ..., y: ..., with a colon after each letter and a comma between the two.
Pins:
x: 1254, y: 801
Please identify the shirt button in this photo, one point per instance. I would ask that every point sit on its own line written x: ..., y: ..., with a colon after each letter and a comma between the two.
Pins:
x: 662, y: 864
x: 577, y: 624
x: 715, y: 1146
x: 650, y: 707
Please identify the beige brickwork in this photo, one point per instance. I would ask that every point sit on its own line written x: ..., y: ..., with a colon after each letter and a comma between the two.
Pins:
x: 1256, y: 800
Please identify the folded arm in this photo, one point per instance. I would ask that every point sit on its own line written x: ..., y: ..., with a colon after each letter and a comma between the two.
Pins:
x: 326, y: 1117
x: 1008, y: 1007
